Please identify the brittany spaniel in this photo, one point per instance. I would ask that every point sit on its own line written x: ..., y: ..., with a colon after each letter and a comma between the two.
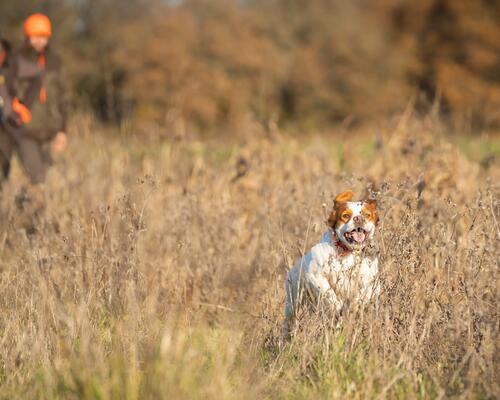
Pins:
x: 340, y: 269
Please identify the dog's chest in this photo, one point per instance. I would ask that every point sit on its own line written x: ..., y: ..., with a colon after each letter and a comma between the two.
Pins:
x: 351, y: 266
x: 348, y: 273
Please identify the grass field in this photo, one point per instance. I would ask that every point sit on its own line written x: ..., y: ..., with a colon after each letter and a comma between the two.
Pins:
x: 156, y: 269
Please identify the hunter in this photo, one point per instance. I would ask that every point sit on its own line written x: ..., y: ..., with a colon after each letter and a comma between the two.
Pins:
x: 40, y: 102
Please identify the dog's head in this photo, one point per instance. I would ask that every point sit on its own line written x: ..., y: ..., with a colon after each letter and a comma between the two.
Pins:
x: 353, y: 221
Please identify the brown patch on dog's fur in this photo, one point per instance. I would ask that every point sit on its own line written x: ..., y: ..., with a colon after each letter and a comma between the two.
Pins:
x: 369, y: 210
x: 340, y: 212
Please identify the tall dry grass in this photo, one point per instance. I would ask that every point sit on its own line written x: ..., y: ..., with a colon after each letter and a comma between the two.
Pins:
x: 157, y: 271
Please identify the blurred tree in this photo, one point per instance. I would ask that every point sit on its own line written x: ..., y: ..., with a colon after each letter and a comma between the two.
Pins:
x: 311, y: 63
x: 336, y: 70
x: 456, y: 54
x: 202, y: 61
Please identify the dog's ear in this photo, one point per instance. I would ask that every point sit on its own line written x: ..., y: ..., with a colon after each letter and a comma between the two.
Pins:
x: 371, y: 205
x: 344, y: 197
x: 332, y: 218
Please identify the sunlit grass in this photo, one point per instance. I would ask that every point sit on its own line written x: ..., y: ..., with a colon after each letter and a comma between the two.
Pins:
x: 157, y: 271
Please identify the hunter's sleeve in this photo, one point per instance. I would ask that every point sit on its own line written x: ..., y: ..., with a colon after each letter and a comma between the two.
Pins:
x: 5, y: 102
x: 7, y: 88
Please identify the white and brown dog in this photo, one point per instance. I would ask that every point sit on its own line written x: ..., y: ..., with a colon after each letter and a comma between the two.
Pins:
x: 338, y: 270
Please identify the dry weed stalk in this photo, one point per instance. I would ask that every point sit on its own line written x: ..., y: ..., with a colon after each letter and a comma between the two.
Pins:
x: 172, y: 285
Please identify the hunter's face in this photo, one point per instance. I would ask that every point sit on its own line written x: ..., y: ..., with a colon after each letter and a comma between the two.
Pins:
x: 39, y: 43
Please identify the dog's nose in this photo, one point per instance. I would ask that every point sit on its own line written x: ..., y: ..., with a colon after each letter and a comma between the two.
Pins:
x: 358, y: 220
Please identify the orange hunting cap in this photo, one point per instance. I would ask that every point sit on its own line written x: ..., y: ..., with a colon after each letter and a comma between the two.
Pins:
x: 37, y: 25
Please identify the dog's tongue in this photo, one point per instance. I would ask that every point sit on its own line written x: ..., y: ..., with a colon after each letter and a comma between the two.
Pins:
x: 359, y: 237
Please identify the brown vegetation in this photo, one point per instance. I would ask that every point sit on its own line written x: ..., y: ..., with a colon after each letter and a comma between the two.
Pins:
x: 157, y: 271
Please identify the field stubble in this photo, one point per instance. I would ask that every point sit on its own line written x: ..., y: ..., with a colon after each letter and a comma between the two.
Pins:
x: 157, y: 271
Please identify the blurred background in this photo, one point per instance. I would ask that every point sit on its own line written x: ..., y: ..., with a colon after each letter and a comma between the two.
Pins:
x: 207, y: 139
x: 211, y: 66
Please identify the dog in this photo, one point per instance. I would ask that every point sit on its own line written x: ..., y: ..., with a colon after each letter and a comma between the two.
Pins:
x: 340, y: 269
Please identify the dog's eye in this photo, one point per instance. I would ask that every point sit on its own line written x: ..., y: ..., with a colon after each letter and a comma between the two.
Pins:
x: 346, y: 216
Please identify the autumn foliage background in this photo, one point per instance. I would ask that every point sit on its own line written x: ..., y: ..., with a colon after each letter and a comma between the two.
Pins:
x: 204, y: 65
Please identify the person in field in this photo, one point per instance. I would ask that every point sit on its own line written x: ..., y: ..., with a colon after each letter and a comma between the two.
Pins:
x: 40, y: 102
x: 34, y: 123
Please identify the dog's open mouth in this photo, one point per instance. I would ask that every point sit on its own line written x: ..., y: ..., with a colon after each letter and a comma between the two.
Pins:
x: 356, y: 236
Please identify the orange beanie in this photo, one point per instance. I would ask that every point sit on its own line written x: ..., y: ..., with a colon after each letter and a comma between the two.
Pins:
x: 37, y: 25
